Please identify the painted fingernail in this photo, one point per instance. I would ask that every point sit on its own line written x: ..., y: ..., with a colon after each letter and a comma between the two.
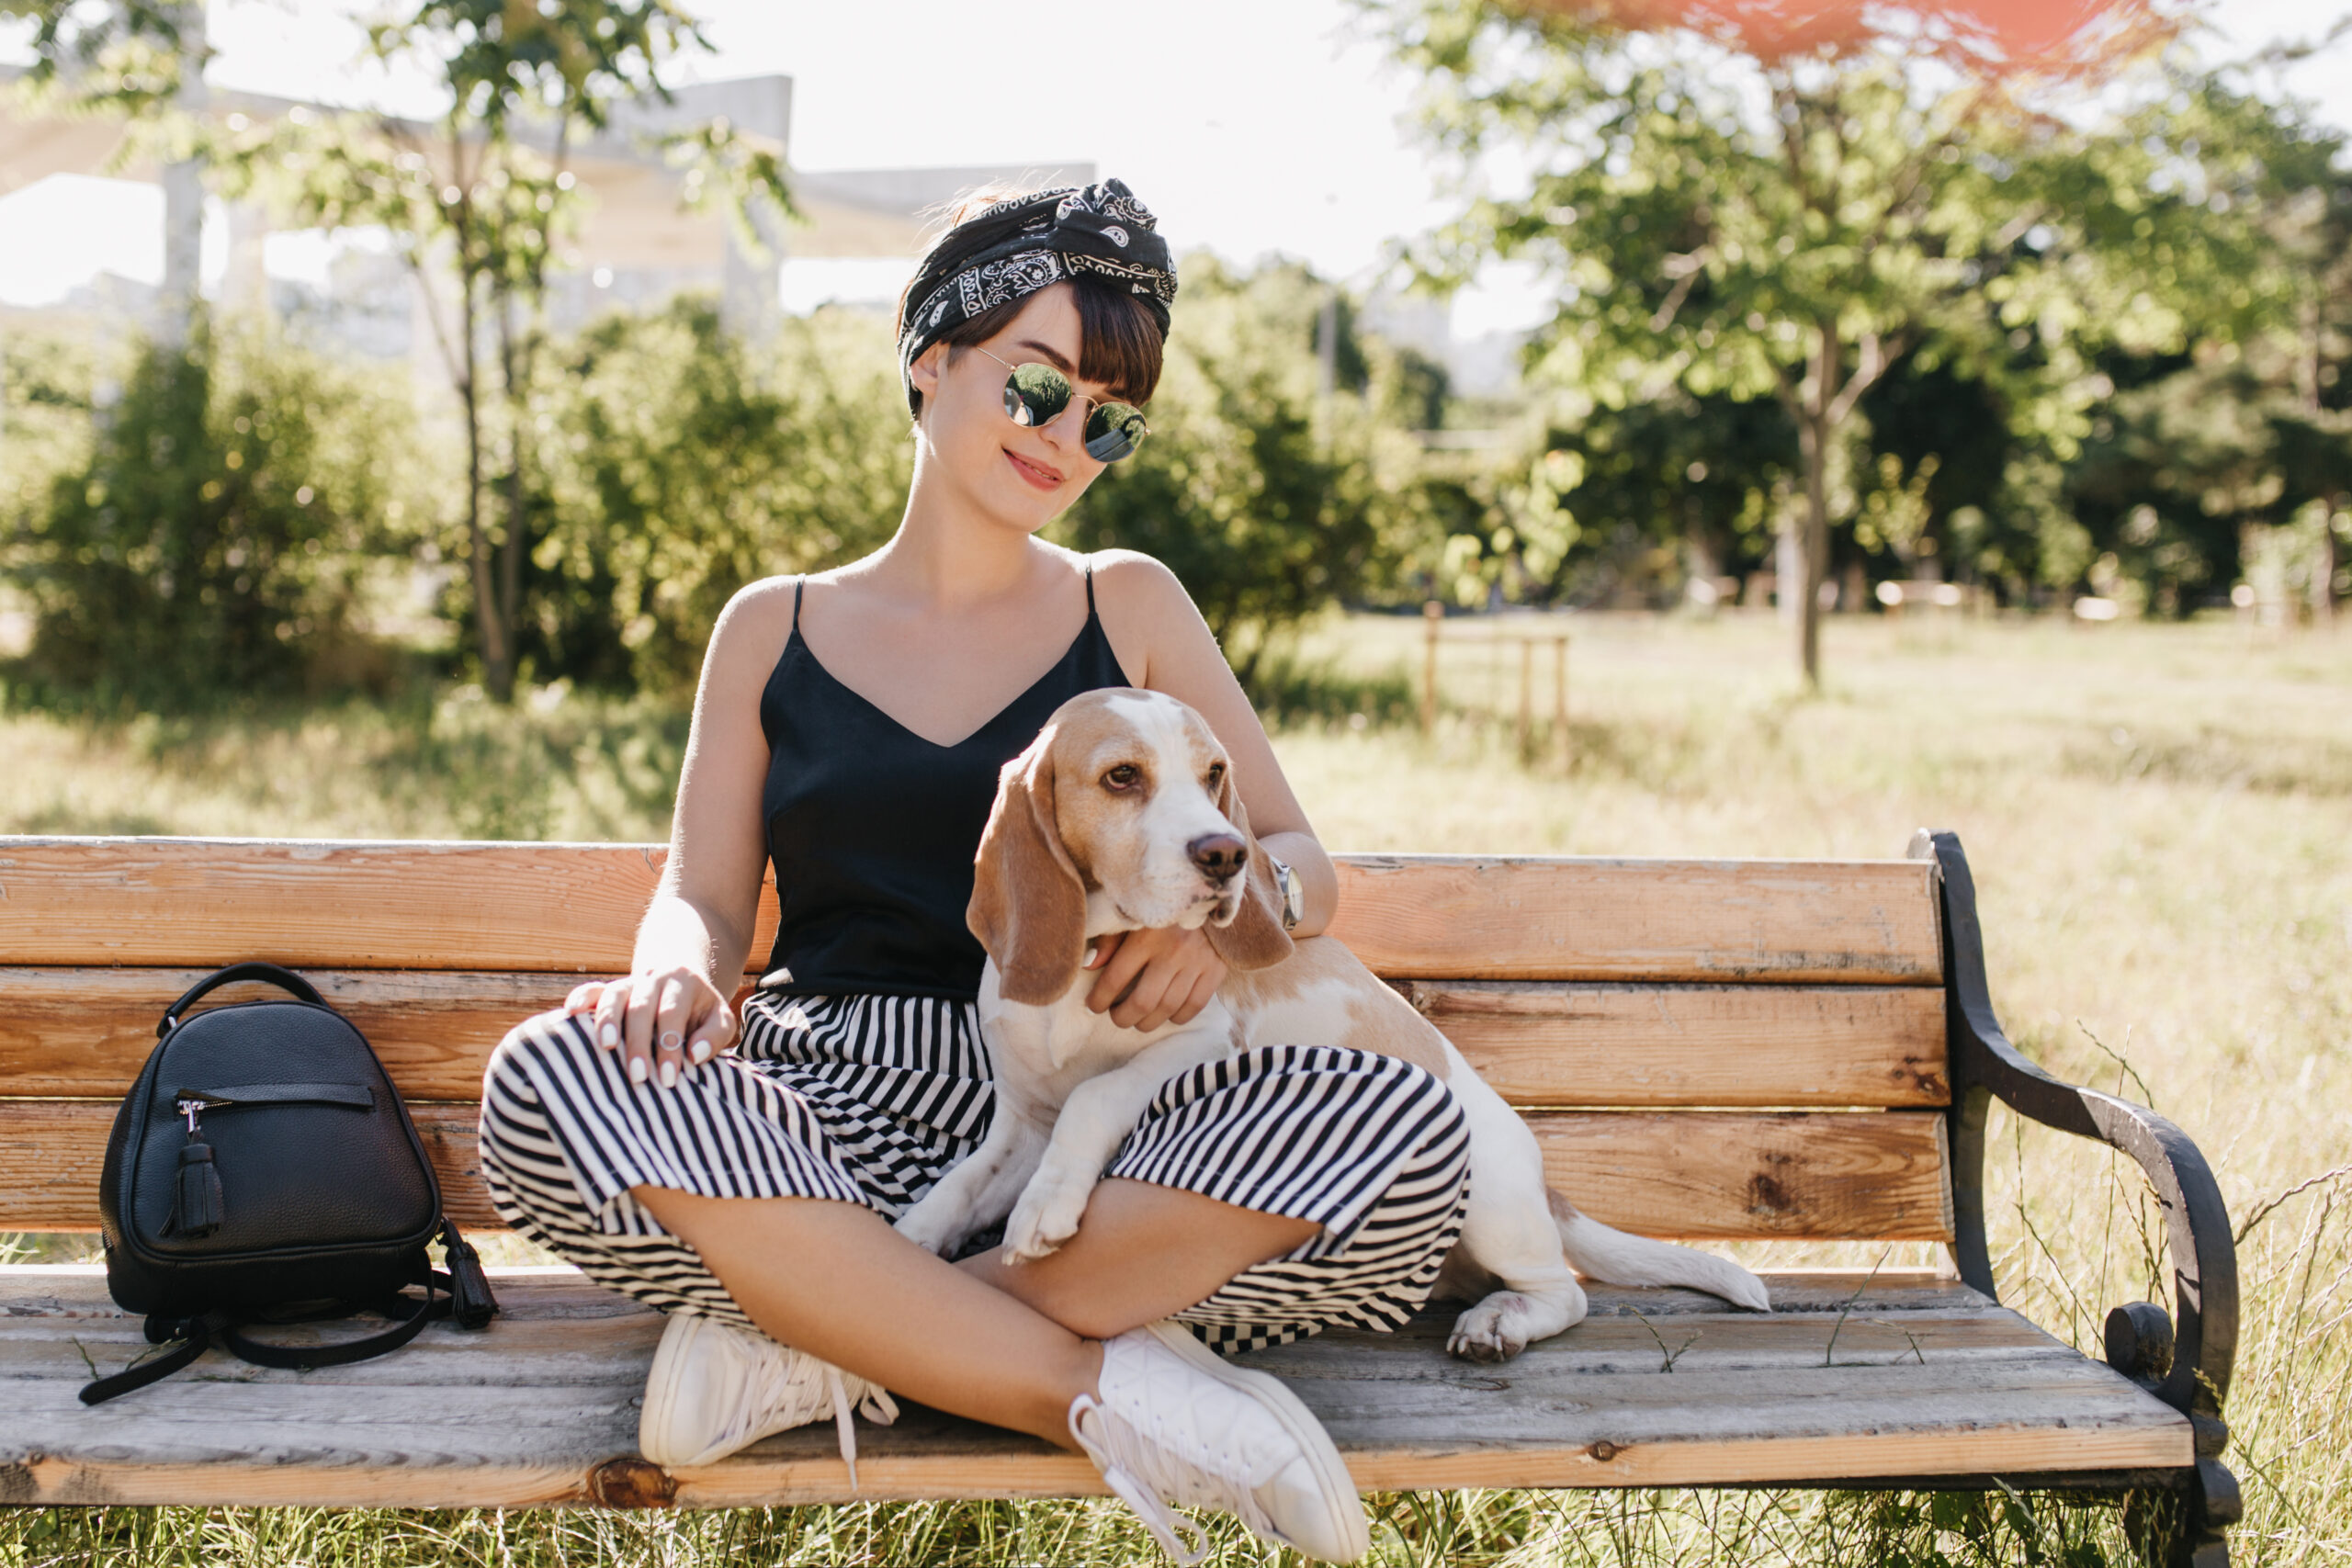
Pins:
x: 1090, y: 959
x: 637, y: 1069
x: 609, y: 1035
x: 672, y: 1039
x: 669, y: 1073
x: 701, y: 1051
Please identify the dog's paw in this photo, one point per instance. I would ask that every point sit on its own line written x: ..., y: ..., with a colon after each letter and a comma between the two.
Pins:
x: 1743, y: 1289
x: 1046, y: 1217
x: 1494, y: 1330
x: 930, y: 1226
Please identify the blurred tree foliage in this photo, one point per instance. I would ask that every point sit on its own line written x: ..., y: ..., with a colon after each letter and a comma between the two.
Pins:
x: 682, y: 465
x: 489, y: 199
x: 1855, y: 233
x: 206, y: 533
x: 1268, y: 500
x: 1832, y: 311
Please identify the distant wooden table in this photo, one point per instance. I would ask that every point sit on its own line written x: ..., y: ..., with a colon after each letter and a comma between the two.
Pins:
x: 1527, y: 636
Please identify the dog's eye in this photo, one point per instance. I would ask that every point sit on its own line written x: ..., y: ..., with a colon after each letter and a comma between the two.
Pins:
x: 1216, y: 776
x: 1126, y: 775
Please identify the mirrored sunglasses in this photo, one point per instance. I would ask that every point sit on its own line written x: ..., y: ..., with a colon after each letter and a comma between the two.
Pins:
x: 1036, y: 395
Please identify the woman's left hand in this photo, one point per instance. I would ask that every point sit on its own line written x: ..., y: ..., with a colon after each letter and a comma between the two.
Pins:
x: 1167, y: 975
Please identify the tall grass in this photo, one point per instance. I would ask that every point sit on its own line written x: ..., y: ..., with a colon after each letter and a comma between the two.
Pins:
x: 2160, y: 820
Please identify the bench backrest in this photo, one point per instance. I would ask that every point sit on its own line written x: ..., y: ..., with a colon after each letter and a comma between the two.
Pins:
x: 1716, y: 1049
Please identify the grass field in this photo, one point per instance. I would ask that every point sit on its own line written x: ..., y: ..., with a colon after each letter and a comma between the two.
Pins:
x: 2160, y: 820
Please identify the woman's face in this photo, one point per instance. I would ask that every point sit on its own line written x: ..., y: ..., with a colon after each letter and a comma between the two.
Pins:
x: 1024, y: 477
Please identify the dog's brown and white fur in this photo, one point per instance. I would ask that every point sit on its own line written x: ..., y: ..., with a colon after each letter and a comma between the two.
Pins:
x: 1123, y: 815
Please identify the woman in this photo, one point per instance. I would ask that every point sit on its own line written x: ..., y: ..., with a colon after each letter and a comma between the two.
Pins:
x: 849, y: 727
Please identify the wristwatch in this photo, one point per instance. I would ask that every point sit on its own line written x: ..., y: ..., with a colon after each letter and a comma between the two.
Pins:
x: 1293, y: 893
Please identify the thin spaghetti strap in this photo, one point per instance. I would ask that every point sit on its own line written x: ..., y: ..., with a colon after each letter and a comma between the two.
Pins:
x: 800, y: 583
x: 1090, y: 588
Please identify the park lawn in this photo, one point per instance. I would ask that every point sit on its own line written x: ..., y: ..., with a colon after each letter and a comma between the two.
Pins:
x: 2160, y: 820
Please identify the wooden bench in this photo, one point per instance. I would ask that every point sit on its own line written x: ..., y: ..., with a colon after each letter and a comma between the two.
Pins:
x: 1774, y: 1050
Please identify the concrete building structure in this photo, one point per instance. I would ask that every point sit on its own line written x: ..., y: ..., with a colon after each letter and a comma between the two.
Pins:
x: 641, y: 243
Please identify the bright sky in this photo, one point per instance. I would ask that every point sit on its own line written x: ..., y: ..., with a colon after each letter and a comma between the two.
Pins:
x: 1249, y: 126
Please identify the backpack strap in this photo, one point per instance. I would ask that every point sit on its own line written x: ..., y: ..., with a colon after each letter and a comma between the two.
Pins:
x: 284, y: 979
x: 302, y: 1358
x: 195, y: 1337
x: 463, y: 1294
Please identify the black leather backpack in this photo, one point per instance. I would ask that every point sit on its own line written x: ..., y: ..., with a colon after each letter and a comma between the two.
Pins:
x: 262, y: 1169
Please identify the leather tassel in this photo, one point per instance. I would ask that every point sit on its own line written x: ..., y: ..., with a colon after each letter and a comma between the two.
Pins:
x: 196, y: 1200
x: 471, y: 1304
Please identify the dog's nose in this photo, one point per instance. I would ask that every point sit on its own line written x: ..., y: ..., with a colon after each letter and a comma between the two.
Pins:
x: 1219, y: 856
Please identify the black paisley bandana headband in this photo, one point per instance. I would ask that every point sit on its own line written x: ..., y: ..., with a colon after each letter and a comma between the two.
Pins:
x: 1023, y: 243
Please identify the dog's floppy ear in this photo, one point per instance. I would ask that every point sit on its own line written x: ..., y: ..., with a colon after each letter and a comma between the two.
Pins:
x: 1028, y: 905
x: 1254, y: 936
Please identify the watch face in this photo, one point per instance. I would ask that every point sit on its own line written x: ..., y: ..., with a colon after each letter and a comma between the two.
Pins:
x: 1294, y: 894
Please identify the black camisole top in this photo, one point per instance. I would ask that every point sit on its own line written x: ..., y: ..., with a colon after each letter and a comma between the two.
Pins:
x: 872, y: 828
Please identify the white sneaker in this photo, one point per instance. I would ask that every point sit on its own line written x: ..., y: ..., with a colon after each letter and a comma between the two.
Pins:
x: 1176, y: 1424
x: 714, y: 1388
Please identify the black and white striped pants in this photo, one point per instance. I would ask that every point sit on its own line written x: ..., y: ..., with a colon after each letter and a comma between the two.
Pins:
x: 870, y: 1098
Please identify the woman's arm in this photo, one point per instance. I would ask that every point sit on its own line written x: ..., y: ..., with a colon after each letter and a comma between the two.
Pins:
x: 1163, y: 644
x: 674, y: 1011
x: 1173, y: 651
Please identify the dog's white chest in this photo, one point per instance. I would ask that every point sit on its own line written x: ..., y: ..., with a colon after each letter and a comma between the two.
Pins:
x: 1039, y: 1054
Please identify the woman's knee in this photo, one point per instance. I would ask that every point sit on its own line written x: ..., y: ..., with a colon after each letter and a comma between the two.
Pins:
x: 535, y: 1039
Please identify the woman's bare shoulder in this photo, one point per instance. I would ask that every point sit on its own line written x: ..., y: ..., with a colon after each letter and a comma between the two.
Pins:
x: 752, y: 629
x: 1154, y: 626
x: 1143, y: 609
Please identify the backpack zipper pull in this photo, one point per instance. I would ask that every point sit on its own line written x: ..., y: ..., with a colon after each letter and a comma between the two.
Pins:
x: 197, y: 1207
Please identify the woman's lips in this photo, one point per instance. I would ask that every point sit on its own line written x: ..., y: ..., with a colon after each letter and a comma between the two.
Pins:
x: 1037, y: 474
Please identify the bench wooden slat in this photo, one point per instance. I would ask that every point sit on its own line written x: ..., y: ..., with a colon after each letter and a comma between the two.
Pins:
x: 1501, y: 918
x: 355, y: 903
x: 1721, y: 1174
x: 574, y: 908
x: 84, y: 1033
x: 1733, y: 1176
x: 1542, y: 1043
x: 1923, y: 1376
x: 75, y: 1033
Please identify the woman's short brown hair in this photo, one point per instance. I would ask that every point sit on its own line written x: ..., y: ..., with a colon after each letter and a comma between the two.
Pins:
x: 1120, y: 343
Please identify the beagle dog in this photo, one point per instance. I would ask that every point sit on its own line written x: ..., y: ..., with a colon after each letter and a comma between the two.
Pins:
x: 1123, y: 815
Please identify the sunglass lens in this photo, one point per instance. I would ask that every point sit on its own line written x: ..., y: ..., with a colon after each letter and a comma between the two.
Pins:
x: 1036, y: 395
x: 1115, y: 432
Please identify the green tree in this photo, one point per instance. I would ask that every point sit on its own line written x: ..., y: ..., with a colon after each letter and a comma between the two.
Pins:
x: 1794, y: 225
x: 2249, y: 429
x: 680, y: 469
x: 488, y: 195
x: 1264, y: 503
x: 127, y: 55
x: 213, y: 539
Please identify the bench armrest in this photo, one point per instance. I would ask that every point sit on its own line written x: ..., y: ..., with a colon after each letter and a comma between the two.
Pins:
x: 1984, y: 1064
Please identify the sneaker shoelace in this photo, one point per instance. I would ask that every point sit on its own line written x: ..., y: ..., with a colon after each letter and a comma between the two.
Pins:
x: 1149, y: 1469
x: 800, y: 1369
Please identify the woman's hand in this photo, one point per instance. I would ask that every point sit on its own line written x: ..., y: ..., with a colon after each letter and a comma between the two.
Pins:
x: 1152, y: 977
x: 662, y: 1023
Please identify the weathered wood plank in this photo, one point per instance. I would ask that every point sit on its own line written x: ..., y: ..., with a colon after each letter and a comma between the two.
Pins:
x: 416, y: 905
x: 523, y: 1412
x: 1723, y: 1175
x: 73, y: 1034
x: 561, y: 1351
x: 355, y: 903
x: 81, y: 1033
x: 1814, y: 1175
x: 1498, y: 918
x: 1602, y: 1043
x: 558, y: 1293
